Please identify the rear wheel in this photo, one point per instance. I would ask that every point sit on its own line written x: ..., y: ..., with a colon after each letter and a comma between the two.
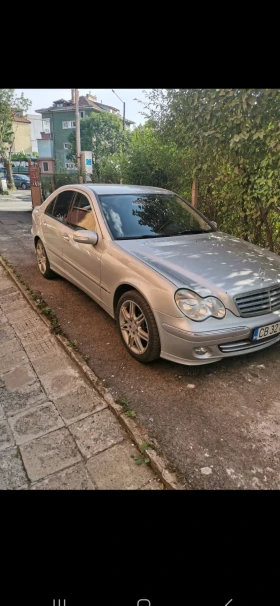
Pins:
x: 43, y: 261
x: 137, y: 327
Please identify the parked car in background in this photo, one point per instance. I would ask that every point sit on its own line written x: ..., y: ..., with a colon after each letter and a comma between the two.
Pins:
x: 177, y: 287
x: 22, y: 181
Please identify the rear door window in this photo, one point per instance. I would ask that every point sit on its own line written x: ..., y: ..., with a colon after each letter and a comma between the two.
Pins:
x: 59, y: 208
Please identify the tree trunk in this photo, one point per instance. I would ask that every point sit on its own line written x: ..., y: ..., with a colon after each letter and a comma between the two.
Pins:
x: 267, y: 229
x: 10, y: 178
x: 245, y: 221
x: 194, y: 193
x: 258, y: 235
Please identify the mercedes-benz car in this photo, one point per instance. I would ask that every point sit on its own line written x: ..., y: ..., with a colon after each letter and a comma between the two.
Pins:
x: 177, y: 286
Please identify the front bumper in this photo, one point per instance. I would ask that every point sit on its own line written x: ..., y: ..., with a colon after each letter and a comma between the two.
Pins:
x: 181, y: 339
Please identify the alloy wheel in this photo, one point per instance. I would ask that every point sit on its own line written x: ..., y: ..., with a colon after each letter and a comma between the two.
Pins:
x: 41, y: 258
x: 134, y: 327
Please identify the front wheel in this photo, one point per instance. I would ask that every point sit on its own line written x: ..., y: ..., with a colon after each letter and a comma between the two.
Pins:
x: 43, y: 261
x: 137, y: 327
x: 23, y: 186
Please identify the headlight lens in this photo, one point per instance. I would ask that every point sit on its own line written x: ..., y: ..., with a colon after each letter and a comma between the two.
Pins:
x: 196, y: 308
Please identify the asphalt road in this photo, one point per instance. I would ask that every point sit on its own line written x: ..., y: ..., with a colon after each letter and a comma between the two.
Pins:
x: 218, y: 424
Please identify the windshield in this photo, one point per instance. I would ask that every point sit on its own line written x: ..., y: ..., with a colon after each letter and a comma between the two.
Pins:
x: 130, y: 216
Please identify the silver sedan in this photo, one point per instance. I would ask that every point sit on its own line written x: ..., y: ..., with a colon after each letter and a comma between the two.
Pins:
x: 177, y: 287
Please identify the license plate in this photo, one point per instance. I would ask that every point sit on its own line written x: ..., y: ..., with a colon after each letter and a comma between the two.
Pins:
x: 266, y: 331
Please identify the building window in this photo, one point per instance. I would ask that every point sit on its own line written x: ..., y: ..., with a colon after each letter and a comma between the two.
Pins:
x: 69, y: 124
x: 46, y: 126
x: 82, y: 114
x: 45, y: 167
x: 70, y: 165
x: 67, y: 145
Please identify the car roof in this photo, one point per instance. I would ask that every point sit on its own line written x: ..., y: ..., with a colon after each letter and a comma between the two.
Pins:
x: 116, y: 188
x: 19, y: 176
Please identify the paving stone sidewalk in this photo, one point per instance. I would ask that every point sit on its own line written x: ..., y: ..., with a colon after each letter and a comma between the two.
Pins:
x: 56, y: 432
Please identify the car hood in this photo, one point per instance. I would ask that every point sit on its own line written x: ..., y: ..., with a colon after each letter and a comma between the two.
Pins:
x: 214, y: 262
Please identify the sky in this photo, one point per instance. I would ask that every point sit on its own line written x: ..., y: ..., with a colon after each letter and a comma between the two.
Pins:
x: 44, y: 97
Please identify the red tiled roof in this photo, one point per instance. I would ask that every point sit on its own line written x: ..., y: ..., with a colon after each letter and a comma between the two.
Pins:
x: 20, y: 119
x: 84, y: 102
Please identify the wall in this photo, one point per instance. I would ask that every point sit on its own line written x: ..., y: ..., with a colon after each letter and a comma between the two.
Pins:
x: 60, y: 135
x: 22, y: 140
x: 51, y: 166
x: 45, y: 148
x: 36, y: 128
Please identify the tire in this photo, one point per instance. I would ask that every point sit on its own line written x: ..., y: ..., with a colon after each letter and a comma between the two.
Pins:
x: 23, y: 186
x: 43, y: 261
x: 136, y: 334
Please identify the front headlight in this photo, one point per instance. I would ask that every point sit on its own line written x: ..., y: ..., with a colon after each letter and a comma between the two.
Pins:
x: 196, y: 308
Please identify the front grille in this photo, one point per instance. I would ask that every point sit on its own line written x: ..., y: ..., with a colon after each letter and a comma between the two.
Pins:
x: 237, y: 346
x: 258, y: 302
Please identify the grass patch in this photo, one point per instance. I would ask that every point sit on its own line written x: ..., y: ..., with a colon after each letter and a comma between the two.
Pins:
x: 142, y: 457
x: 129, y: 412
x: 72, y: 343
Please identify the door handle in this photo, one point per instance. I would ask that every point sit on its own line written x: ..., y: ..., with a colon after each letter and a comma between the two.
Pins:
x: 65, y: 237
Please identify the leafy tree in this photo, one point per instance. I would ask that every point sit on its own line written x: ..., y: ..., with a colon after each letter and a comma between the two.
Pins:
x: 232, y: 137
x: 9, y: 105
x: 110, y: 168
x: 152, y: 161
x: 21, y: 157
x: 101, y: 133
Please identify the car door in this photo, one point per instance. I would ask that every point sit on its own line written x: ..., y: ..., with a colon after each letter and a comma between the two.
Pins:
x: 53, y: 224
x: 82, y: 262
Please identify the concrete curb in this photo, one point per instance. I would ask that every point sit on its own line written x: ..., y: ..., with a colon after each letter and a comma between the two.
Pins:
x: 158, y: 461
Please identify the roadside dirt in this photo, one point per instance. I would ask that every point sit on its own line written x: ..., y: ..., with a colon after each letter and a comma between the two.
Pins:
x: 219, y: 424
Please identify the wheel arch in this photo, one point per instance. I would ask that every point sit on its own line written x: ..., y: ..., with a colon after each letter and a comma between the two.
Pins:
x: 121, y: 290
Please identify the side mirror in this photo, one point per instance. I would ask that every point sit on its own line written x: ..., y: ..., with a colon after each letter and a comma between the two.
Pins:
x: 85, y: 236
x: 214, y: 224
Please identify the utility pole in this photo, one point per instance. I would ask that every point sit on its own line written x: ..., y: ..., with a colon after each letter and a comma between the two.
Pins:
x: 123, y: 116
x: 78, y: 136
x: 123, y: 107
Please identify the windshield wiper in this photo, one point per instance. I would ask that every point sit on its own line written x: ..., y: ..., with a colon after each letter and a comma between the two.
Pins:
x: 190, y: 231
x: 139, y: 237
x: 178, y: 233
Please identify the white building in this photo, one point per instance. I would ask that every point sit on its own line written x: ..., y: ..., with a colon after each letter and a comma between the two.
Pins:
x: 36, y: 128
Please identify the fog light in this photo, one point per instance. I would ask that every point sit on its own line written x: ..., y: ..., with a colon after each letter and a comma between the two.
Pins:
x: 202, y: 351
